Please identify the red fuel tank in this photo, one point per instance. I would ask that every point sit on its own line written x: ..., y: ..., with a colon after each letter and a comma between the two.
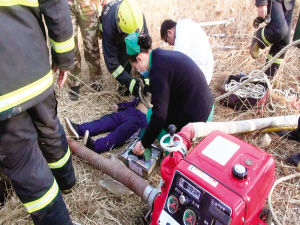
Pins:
x: 223, y: 180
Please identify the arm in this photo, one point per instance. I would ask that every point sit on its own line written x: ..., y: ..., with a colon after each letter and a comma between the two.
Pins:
x: 58, y: 21
x: 160, y: 92
x: 262, y: 8
x: 110, y: 52
x: 125, y: 105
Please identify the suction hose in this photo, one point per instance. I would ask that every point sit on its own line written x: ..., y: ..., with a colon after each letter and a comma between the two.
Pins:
x: 269, y: 124
x: 117, y: 171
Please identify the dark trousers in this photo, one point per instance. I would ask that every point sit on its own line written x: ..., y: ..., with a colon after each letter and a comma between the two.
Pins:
x: 276, y: 34
x: 122, y: 126
x: 30, y: 143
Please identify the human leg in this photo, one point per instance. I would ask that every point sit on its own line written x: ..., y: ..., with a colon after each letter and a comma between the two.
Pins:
x: 106, y: 123
x: 88, y: 23
x: 122, y: 133
x: 22, y: 161
x: 52, y: 141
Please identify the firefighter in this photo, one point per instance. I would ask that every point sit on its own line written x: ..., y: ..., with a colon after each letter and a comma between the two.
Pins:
x: 32, y: 139
x: 178, y: 97
x: 118, y: 19
x: 276, y: 33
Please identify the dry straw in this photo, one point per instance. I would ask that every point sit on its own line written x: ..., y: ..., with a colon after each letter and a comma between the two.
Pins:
x: 89, y: 203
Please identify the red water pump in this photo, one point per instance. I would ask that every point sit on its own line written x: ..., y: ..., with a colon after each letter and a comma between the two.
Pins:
x: 222, y: 181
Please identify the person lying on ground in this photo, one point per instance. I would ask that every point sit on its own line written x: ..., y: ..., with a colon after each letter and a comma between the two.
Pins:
x: 131, y: 117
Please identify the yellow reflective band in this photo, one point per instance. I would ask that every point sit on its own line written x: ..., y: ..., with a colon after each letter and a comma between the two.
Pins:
x: 132, y: 83
x: 45, y: 200
x: 62, y: 47
x: 26, y: 93
x: 100, y: 27
x: 118, y: 71
x: 147, y: 81
x: 60, y: 163
x: 30, y: 3
x: 264, y: 37
x: 275, y: 60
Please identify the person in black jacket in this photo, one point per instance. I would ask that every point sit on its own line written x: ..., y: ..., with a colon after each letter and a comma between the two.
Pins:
x: 34, y: 152
x: 178, y: 88
x: 276, y: 33
x: 118, y: 19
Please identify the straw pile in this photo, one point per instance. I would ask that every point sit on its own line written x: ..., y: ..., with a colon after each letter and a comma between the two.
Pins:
x: 91, y: 204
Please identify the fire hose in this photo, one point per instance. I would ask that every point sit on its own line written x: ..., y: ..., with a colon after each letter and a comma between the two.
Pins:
x: 117, y: 171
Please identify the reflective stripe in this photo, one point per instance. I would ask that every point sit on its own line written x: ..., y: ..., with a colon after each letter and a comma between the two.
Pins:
x: 26, y: 93
x: 31, y: 3
x: 100, y: 27
x: 264, y: 37
x: 61, y: 47
x: 275, y: 60
x: 118, y: 71
x: 45, y: 200
x: 132, y: 83
x: 147, y: 81
x: 60, y: 163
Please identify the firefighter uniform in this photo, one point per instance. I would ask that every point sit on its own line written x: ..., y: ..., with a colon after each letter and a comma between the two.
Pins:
x: 114, y: 48
x: 32, y: 139
x: 277, y: 33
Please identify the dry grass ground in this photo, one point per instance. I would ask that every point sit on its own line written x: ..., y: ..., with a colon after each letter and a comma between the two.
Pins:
x: 91, y: 204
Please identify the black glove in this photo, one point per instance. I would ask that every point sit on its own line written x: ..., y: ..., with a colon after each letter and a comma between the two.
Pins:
x: 146, y: 82
x: 135, y: 89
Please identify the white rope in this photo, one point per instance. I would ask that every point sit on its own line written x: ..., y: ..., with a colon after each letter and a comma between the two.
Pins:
x: 256, y: 74
x: 271, y: 192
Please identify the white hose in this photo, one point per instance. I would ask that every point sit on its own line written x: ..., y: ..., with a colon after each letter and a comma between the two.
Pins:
x: 243, y: 126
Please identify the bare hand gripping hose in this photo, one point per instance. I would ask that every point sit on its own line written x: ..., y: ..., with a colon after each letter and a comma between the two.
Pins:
x: 117, y: 171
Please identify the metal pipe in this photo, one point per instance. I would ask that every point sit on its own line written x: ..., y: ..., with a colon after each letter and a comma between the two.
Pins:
x: 117, y: 171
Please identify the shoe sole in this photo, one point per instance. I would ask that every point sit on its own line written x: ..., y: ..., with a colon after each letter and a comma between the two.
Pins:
x: 85, y: 137
x: 71, y: 129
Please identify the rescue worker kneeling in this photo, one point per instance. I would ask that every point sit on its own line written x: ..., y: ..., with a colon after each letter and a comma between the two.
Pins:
x: 32, y: 139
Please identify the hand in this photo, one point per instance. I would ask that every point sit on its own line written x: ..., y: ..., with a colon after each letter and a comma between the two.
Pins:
x: 262, y: 11
x: 135, y: 90
x: 138, y: 148
x: 114, y: 107
x: 103, y: 2
x: 62, y: 76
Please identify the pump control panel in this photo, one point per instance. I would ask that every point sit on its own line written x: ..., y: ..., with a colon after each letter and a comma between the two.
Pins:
x: 187, y: 204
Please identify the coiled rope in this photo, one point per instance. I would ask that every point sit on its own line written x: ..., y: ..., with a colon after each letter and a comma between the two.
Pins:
x: 258, y: 74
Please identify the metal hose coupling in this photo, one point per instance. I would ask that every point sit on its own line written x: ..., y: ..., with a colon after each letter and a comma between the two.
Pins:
x: 150, y: 194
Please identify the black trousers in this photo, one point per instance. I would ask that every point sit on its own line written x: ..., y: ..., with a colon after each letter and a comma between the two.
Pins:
x: 276, y: 34
x: 30, y: 143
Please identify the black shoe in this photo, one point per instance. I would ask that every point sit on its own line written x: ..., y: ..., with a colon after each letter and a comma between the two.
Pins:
x: 96, y: 86
x: 88, y: 141
x: 74, y: 93
x: 72, y: 128
x: 293, y: 159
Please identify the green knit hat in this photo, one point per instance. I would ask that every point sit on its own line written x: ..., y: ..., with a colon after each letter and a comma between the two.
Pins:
x: 132, y: 45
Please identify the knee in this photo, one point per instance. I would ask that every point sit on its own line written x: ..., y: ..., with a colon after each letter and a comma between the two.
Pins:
x: 280, y: 31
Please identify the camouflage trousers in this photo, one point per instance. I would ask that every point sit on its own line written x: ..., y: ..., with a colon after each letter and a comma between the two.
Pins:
x: 84, y: 14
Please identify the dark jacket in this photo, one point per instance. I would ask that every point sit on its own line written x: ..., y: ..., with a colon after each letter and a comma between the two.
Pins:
x: 288, y: 4
x: 179, y: 91
x: 26, y: 76
x: 114, y: 48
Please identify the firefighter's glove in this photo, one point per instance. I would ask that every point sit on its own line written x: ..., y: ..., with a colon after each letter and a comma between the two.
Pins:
x: 134, y: 87
x: 146, y: 86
